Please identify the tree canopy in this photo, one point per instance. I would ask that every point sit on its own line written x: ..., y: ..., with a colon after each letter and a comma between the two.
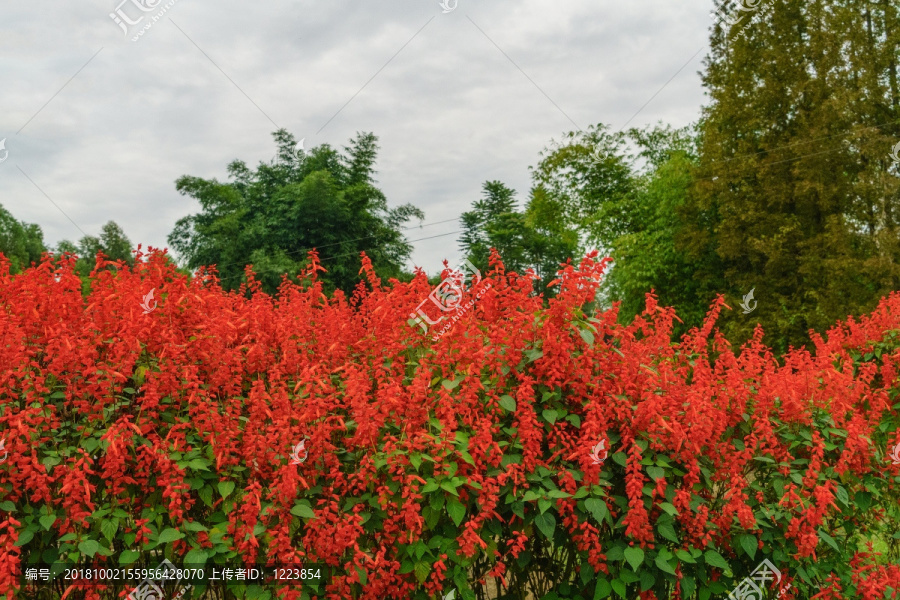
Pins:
x: 22, y: 243
x: 271, y: 217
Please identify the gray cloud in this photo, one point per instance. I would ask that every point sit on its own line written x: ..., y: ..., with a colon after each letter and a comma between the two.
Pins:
x: 451, y: 110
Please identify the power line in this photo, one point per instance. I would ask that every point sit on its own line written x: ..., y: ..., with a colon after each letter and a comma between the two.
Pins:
x: 410, y: 241
x: 306, y: 250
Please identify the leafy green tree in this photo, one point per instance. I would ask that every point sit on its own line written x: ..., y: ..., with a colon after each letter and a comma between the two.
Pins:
x: 112, y: 242
x: 590, y: 175
x: 796, y: 196
x: 650, y: 255
x: 623, y: 193
x: 535, y: 238
x: 271, y: 217
x: 22, y: 243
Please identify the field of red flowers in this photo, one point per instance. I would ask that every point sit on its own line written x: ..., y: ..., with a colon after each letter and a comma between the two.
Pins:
x: 532, y: 451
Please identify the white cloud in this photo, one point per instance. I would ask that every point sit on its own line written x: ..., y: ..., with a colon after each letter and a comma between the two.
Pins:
x: 451, y: 111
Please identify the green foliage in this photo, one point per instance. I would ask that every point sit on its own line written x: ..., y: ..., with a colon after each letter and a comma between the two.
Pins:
x: 112, y: 242
x: 22, y: 243
x: 536, y: 238
x: 271, y: 217
x: 796, y: 195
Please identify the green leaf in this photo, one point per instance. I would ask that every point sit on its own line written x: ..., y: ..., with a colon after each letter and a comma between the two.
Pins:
x: 667, y: 530
x: 25, y: 537
x: 618, y: 587
x: 128, y: 556
x: 109, y: 527
x: 664, y: 565
x: 656, y: 473
x: 508, y: 402
x: 47, y: 521
x: 688, y: 585
x: 546, y: 523
x: 423, y: 570
x: 635, y: 557
x: 647, y: 580
x: 669, y: 508
x: 749, y: 544
x: 714, y: 559
x: 597, y: 508
x: 550, y: 415
x: 170, y: 535
x: 302, y: 509
x: 430, y: 487
x: 450, y: 385
x: 587, y: 336
x: 456, y: 510
x: 89, y: 547
x: 602, y: 590
x: 196, y: 558
x: 225, y: 488
x: 685, y: 556
x: 841, y: 494
x: 199, y: 464
x: 829, y: 540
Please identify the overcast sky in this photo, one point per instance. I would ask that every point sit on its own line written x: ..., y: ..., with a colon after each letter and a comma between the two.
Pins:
x: 98, y: 127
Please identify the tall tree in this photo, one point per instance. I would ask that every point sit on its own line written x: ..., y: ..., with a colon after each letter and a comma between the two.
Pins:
x: 272, y: 216
x: 536, y: 238
x: 112, y: 242
x: 22, y: 243
x: 794, y: 195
